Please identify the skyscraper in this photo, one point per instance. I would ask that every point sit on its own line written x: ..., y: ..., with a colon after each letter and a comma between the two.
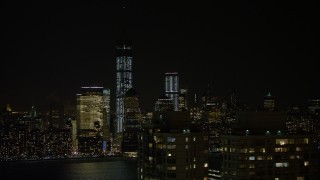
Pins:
x: 123, y: 79
x: 92, y: 122
x: 183, y: 100
x: 269, y: 102
x: 132, y: 124
x: 172, y: 88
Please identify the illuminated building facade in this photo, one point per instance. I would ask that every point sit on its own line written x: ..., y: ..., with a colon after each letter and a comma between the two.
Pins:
x: 132, y: 124
x: 269, y: 102
x: 171, y: 148
x: 183, y: 100
x: 314, y: 106
x: 259, y: 148
x: 123, y: 79
x: 164, y: 104
x: 172, y: 88
x: 92, y: 122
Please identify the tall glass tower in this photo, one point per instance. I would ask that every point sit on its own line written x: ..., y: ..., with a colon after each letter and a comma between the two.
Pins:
x: 123, y: 79
x: 172, y: 88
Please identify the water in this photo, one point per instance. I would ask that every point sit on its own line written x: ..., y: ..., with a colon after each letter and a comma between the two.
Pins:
x: 66, y: 170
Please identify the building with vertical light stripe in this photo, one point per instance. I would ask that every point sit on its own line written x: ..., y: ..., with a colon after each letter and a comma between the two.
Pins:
x: 172, y: 88
x: 123, y: 79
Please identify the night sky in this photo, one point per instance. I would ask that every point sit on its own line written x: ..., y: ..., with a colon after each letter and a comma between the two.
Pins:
x: 51, y: 49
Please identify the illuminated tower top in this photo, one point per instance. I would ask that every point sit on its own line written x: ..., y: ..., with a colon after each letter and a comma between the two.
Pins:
x: 269, y: 102
x: 172, y: 88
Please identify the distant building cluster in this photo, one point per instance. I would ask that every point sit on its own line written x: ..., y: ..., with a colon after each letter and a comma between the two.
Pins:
x: 185, y: 136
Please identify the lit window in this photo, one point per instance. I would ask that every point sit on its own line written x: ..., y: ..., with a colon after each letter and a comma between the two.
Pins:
x: 171, y: 146
x: 269, y: 157
x: 260, y: 158
x: 169, y: 154
x: 283, y: 164
x: 171, y: 139
x: 291, y: 157
x: 150, y: 145
x: 172, y: 168
x: 276, y: 179
x: 251, y: 166
x: 306, y: 141
x: 282, y: 141
x: 280, y: 149
x: 150, y: 158
x: 300, y: 178
x: 205, y: 165
x: 194, y: 138
x: 262, y: 150
x: 298, y: 149
x: 251, y: 150
x: 187, y: 146
x: 194, y: 166
x: 306, y: 163
x: 187, y: 139
x: 251, y: 158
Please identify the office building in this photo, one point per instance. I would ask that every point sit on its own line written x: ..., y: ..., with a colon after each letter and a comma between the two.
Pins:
x: 172, y: 88
x: 183, y: 100
x: 56, y: 116
x: 164, y: 104
x: 314, y: 106
x: 171, y: 148
x: 123, y: 79
x: 92, y: 125
x: 132, y: 124
x: 269, y: 102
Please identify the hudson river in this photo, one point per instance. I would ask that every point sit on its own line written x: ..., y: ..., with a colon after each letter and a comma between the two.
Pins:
x: 115, y: 169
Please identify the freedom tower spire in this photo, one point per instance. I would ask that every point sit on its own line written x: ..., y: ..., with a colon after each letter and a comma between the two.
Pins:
x: 123, y: 71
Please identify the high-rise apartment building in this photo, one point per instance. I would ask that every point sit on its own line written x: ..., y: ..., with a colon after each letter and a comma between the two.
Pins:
x: 260, y: 148
x: 172, y: 88
x: 92, y: 118
x: 123, y: 79
x: 171, y: 148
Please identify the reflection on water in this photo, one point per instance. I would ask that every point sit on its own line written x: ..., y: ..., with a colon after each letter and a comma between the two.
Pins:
x: 122, y: 169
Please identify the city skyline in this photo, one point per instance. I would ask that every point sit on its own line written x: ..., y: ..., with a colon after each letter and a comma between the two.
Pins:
x: 51, y: 50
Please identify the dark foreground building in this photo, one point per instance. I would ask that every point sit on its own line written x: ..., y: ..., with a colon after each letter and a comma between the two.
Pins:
x: 260, y: 148
x: 171, y: 148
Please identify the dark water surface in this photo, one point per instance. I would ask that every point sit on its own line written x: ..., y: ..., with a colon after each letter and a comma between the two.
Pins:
x: 71, y: 170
